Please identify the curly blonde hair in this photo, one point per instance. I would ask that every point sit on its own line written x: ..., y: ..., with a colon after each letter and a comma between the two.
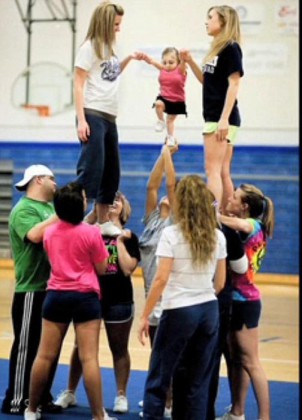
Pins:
x: 230, y: 31
x: 101, y: 28
x: 196, y: 215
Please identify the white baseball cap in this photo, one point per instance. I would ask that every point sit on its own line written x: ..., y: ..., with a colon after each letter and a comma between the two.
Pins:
x: 30, y: 173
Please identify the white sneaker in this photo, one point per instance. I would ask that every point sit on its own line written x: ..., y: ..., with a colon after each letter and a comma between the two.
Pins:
x: 141, y: 403
x: 31, y: 415
x: 66, y: 399
x: 160, y: 126
x: 167, y: 413
x: 121, y: 404
x: 170, y: 142
x: 109, y: 229
x: 107, y: 417
x: 230, y: 416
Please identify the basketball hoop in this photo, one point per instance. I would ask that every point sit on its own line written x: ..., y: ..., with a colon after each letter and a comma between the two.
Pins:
x: 49, y: 89
x: 43, y: 110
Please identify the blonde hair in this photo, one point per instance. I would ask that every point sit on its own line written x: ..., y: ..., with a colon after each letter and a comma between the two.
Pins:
x: 101, y: 28
x: 230, y: 31
x: 196, y: 216
x: 259, y: 206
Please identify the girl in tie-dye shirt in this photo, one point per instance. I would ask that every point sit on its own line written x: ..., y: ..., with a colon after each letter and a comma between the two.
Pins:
x: 251, y: 213
x: 244, y: 288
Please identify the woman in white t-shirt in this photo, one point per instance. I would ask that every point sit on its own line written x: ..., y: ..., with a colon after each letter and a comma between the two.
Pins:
x: 96, y: 80
x: 191, y: 271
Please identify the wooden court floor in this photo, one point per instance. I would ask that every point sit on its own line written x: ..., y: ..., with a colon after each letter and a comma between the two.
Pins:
x: 279, y: 328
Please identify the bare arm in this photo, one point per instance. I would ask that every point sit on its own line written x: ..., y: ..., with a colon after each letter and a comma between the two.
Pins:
x: 158, y: 284
x: 163, y: 164
x: 35, y: 234
x: 153, y: 62
x: 220, y: 276
x: 186, y: 56
x: 127, y: 263
x: 80, y: 77
x: 183, y: 67
x: 134, y: 56
x: 153, y: 185
x: 236, y: 223
x: 170, y: 172
x: 231, y: 95
x: 100, y: 267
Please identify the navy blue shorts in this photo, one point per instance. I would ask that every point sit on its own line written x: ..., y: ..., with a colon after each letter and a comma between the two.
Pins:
x: 245, y: 313
x: 117, y: 313
x: 64, y: 307
x: 172, y: 108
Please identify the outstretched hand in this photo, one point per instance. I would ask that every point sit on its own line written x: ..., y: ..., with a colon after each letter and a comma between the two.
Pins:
x: 185, y: 55
x: 138, y: 55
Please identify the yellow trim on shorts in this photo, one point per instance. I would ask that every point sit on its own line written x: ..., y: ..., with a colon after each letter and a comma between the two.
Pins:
x: 211, y: 127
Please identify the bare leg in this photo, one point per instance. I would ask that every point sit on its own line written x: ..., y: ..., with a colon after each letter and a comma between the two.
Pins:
x: 91, y: 217
x: 75, y: 371
x: 159, y: 109
x: 170, y: 124
x: 118, y: 338
x: 246, y: 361
x: 101, y: 212
x: 214, y: 155
x: 87, y: 336
x: 49, y: 349
x: 227, y: 183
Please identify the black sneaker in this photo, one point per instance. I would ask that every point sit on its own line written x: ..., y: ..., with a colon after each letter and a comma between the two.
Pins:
x: 51, y: 408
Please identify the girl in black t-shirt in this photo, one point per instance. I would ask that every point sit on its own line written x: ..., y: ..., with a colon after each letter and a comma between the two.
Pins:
x: 220, y: 75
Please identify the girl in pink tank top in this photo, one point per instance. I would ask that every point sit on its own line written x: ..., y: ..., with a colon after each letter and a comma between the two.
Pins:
x: 171, y: 99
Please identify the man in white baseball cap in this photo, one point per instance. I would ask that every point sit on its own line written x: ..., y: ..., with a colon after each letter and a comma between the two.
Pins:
x: 28, y: 220
x: 30, y: 173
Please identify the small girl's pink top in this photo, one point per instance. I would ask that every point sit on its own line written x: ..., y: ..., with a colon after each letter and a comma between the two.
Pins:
x: 73, y: 251
x: 172, y: 85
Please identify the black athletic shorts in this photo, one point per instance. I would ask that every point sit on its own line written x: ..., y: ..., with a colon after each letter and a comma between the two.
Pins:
x: 245, y: 313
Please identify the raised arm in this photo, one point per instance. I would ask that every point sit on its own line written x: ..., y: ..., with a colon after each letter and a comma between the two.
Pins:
x: 153, y: 62
x: 35, y: 234
x: 163, y: 164
x: 135, y: 56
x: 236, y: 223
x: 186, y: 56
x: 153, y: 185
x: 169, y: 169
x: 126, y: 262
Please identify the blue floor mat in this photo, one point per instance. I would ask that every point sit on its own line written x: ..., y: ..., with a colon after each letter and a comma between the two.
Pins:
x: 284, y: 397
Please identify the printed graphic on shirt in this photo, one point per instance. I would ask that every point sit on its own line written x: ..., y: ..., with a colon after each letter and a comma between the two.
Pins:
x: 111, y: 245
x: 110, y: 69
x: 210, y: 66
x: 255, y: 251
